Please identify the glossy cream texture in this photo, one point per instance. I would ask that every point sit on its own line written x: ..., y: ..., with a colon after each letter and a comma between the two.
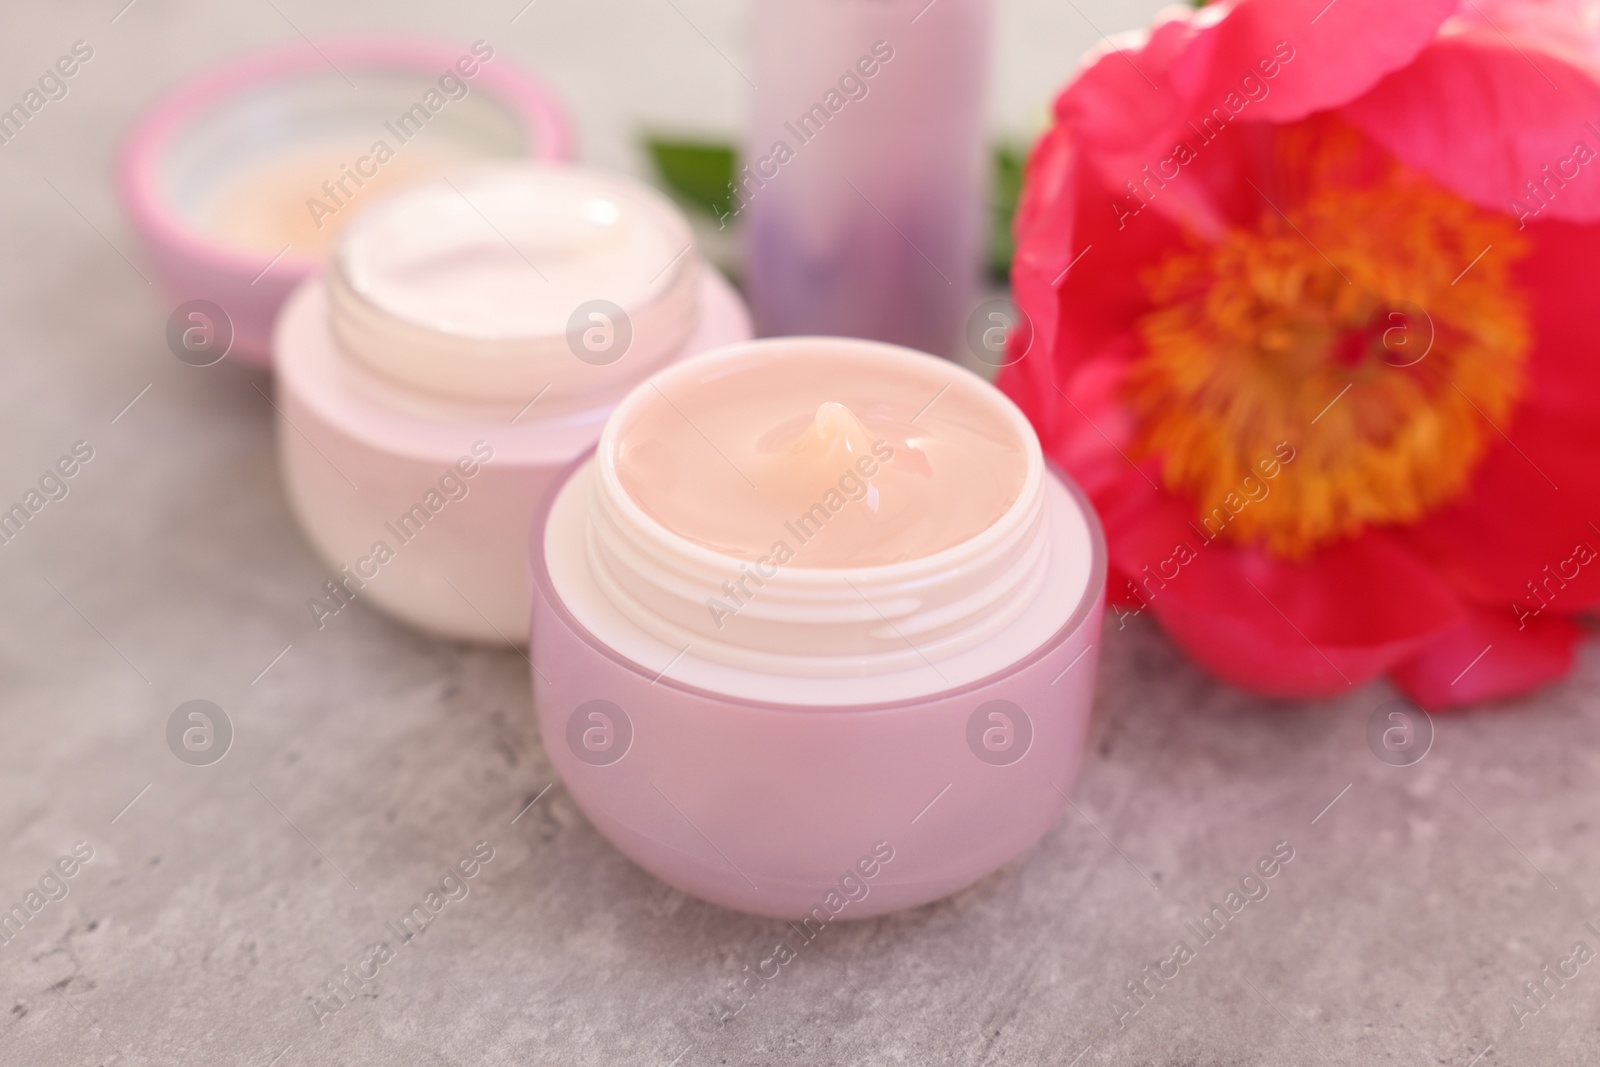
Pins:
x: 516, y: 283
x: 823, y: 459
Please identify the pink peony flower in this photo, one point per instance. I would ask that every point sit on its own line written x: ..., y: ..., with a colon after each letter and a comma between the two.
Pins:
x: 1312, y: 291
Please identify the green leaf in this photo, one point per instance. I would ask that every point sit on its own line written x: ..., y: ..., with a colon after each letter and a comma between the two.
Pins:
x: 1004, y: 191
x: 699, y: 172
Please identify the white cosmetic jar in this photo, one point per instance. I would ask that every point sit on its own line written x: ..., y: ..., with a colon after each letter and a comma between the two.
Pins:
x: 467, y: 341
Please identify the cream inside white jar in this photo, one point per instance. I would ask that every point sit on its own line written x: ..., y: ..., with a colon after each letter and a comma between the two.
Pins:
x: 503, y: 285
x: 686, y: 544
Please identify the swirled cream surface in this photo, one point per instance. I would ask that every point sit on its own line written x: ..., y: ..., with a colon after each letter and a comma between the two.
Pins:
x: 822, y: 458
x: 498, y: 282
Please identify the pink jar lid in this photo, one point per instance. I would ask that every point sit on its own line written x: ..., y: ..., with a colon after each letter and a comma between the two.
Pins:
x: 336, y: 98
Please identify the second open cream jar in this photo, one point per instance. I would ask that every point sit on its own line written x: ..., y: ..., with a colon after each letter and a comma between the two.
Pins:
x: 466, y: 343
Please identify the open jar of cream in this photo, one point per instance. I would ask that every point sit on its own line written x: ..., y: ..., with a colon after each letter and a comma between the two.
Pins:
x: 814, y: 629
x: 467, y: 342
x: 239, y: 180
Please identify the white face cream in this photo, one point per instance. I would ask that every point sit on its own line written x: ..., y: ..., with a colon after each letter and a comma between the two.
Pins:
x: 506, y: 283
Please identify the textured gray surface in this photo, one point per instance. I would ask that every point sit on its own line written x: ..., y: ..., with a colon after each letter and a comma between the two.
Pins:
x: 368, y: 758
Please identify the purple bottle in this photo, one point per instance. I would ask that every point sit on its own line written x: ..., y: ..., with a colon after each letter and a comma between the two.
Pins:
x: 865, y: 168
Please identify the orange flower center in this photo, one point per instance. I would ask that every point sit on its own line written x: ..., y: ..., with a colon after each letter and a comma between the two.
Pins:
x: 1371, y: 332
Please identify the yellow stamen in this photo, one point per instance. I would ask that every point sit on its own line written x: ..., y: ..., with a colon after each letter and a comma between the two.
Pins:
x: 1348, y: 331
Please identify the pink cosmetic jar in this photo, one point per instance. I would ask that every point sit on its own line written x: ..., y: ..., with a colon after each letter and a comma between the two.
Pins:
x: 237, y: 181
x: 802, y: 741
x: 465, y: 345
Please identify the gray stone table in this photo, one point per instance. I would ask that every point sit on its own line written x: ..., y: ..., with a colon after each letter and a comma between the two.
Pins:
x: 367, y: 758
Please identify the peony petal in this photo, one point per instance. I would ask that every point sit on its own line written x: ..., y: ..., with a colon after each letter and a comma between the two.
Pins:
x: 1092, y: 439
x: 1046, y: 242
x: 1486, y: 657
x: 1537, y: 502
x: 1532, y: 505
x: 1284, y: 629
x: 1561, y: 276
x: 1485, y: 119
x: 1569, y: 28
x: 1077, y: 275
x: 1136, y: 93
